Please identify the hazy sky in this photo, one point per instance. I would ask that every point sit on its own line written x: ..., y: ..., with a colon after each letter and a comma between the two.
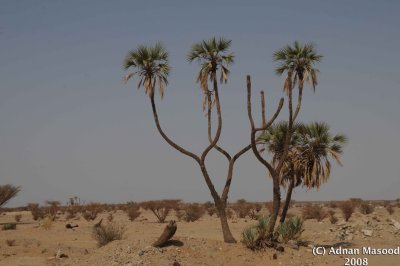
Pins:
x: 69, y: 126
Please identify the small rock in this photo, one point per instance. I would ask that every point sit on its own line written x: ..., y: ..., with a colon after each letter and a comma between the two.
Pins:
x: 60, y: 254
x: 367, y: 232
x: 396, y: 224
x: 274, y: 256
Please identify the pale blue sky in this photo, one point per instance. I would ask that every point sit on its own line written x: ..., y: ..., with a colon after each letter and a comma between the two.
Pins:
x: 71, y: 127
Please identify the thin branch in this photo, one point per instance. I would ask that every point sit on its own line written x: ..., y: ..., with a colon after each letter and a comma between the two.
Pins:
x: 254, y: 130
x: 263, y: 115
x: 221, y: 150
x: 168, y: 140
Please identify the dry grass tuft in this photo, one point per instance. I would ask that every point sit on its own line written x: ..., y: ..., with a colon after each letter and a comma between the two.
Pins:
x: 105, y: 234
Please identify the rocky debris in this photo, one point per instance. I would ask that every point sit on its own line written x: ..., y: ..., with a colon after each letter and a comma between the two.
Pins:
x: 345, y: 233
x: 60, y: 254
x: 293, y: 244
x: 71, y: 226
x: 395, y: 223
x: 367, y: 232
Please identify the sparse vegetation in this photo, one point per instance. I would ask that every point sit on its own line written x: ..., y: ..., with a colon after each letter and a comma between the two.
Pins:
x: 107, y: 233
x: 17, y: 217
x: 332, y: 218
x: 161, y: 208
x: 47, y: 223
x: 191, y: 212
x: 291, y: 229
x: 313, y: 211
x: 242, y: 208
x: 10, y: 242
x: 9, y: 226
x: 36, y: 211
x: 254, y: 237
x: 132, y: 209
x: 366, y: 208
x: 347, y: 208
x: 90, y: 211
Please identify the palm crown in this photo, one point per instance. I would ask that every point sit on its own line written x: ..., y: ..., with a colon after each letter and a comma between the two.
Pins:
x: 212, y: 55
x: 310, y: 149
x: 150, y: 63
x: 298, y: 60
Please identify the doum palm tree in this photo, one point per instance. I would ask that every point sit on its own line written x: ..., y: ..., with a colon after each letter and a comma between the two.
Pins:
x: 298, y: 61
x: 150, y: 64
x: 312, y: 147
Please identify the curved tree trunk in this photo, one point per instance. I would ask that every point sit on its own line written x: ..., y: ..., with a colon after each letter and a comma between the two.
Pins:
x: 287, y: 201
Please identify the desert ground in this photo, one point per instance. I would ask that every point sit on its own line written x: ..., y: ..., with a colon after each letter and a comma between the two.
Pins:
x: 195, y: 243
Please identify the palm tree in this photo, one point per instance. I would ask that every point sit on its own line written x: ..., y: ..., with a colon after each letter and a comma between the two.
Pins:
x: 212, y: 56
x: 150, y: 64
x: 299, y: 63
x: 308, y: 161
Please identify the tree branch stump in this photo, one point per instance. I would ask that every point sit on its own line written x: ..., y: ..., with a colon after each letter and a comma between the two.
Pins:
x: 168, y: 233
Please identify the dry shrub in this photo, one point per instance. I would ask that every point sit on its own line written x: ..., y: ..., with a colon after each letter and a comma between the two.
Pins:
x: 17, y: 217
x: 333, y: 204
x: 269, y: 207
x: 191, y: 212
x: 10, y: 242
x: 230, y: 213
x: 210, y: 208
x: 110, y: 217
x: 104, y: 234
x: 242, y: 208
x: 132, y: 209
x: 255, y: 211
x: 312, y: 211
x: 356, y: 201
x: 332, y: 218
x: 72, y: 211
x: 52, y: 209
x: 347, y: 208
x: 390, y: 209
x: 366, y: 208
x: 161, y: 208
x: 36, y: 211
x: 47, y: 223
x: 91, y: 211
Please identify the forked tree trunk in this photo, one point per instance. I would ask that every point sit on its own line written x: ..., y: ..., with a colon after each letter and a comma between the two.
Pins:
x: 228, y: 237
x: 276, y: 204
x: 287, y: 201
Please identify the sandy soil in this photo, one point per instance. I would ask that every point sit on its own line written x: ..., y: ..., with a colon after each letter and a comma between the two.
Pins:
x: 198, y: 243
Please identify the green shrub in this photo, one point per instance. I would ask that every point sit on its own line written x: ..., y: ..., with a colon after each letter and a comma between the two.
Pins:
x: 290, y: 230
x: 9, y: 226
x: 254, y: 237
